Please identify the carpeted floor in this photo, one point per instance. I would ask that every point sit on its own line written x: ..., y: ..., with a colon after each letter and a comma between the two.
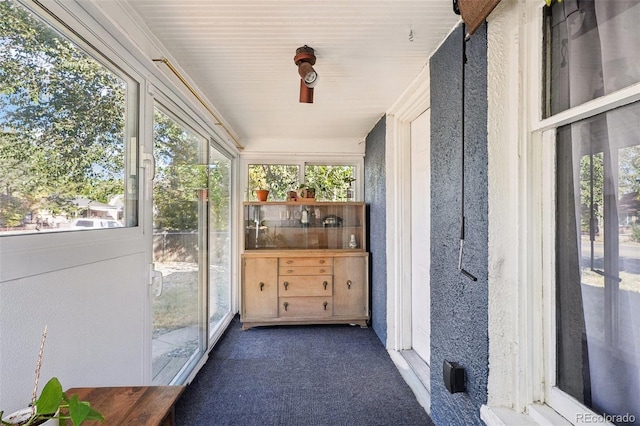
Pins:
x: 299, y: 375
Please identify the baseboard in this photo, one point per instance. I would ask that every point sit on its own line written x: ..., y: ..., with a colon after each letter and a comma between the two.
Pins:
x: 416, y: 379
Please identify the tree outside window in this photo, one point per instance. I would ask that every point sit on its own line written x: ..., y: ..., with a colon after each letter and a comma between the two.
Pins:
x: 62, y: 127
x: 331, y: 182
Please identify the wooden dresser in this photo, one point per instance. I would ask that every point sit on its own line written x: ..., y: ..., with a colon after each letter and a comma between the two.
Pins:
x: 295, y: 284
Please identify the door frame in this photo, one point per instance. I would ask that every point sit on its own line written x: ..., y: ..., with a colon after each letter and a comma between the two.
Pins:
x: 411, y: 104
x: 198, y: 357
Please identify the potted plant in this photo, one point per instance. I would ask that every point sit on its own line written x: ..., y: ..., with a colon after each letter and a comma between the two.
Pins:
x: 262, y: 192
x: 306, y: 191
x: 349, y: 181
x: 52, y: 405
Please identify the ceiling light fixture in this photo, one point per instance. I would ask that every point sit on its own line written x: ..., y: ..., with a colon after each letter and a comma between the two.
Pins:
x: 305, y: 59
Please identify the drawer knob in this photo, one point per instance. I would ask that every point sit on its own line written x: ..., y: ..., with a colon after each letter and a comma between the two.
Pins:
x: 261, y: 286
x: 286, y: 284
x: 325, y: 284
x: 322, y: 262
x: 349, y: 284
x: 289, y: 271
x: 286, y: 305
x: 325, y: 305
x: 289, y: 262
x: 322, y: 271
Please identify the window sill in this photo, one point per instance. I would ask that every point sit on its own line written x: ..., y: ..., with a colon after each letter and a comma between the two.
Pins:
x: 539, y: 414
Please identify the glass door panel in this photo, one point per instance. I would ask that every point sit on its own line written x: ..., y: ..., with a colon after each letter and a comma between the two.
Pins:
x: 179, y: 248
x: 219, y: 239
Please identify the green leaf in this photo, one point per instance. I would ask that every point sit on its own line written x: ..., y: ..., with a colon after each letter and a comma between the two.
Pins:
x: 80, y: 411
x: 95, y: 415
x: 50, y: 398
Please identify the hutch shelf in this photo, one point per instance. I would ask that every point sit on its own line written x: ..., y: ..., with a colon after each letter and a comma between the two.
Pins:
x: 304, y: 262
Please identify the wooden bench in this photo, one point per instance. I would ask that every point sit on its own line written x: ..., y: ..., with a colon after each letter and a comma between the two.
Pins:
x: 132, y: 405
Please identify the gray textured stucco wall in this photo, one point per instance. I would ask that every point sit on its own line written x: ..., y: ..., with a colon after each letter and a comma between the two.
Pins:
x: 376, y: 199
x: 459, y: 316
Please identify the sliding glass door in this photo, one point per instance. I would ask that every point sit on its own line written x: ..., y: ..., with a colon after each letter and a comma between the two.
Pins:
x: 179, y: 248
x: 220, y: 257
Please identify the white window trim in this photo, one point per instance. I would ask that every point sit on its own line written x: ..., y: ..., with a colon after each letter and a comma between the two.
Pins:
x: 527, y: 349
x: 51, y: 248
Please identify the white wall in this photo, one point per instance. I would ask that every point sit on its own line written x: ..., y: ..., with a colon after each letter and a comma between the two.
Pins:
x: 504, y: 97
x: 519, y: 265
x: 95, y: 318
x: 304, y: 146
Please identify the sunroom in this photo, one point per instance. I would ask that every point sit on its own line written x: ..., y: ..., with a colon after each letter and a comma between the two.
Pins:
x: 495, y: 157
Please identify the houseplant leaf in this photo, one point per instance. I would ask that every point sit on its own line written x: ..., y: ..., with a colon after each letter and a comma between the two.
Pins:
x: 78, y: 410
x: 50, y: 398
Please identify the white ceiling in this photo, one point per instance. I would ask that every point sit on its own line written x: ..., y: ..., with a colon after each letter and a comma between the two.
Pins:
x: 239, y: 54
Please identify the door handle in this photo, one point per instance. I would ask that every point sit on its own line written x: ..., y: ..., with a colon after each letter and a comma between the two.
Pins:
x: 156, y: 276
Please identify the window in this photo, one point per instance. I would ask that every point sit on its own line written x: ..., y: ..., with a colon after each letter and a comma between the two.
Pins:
x: 593, y: 52
x: 65, y: 122
x: 330, y: 182
x: 278, y: 179
x: 220, y: 248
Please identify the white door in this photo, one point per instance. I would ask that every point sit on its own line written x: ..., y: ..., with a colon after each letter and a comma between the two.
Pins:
x: 420, y: 231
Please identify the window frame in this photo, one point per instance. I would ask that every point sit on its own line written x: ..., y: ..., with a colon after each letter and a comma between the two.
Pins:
x: 301, y: 161
x: 541, y: 141
x: 53, y: 248
x: 132, y: 102
x: 522, y: 201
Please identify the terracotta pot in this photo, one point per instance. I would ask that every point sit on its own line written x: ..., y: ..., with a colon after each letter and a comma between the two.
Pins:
x: 262, y: 194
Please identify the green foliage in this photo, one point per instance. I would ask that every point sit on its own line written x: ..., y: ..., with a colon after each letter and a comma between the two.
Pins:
x: 54, y: 403
x: 181, y: 175
x: 61, y: 118
x: 592, y: 182
x: 635, y: 232
x: 12, y: 210
x: 330, y: 182
x: 591, y: 186
x: 219, y: 195
x: 277, y: 178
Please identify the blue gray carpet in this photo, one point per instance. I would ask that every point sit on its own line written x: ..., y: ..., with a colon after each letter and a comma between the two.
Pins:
x: 322, y: 375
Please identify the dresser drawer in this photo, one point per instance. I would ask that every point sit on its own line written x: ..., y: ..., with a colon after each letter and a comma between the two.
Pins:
x: 305, y: 270
x: 304, y: 307
x: 306, y: 261
x: 305, y: 285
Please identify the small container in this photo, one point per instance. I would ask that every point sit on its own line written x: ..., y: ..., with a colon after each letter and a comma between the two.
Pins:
x: 352, y: 242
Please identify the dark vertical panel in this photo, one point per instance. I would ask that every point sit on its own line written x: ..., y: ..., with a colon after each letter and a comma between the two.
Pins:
x: 459, y: 318
x: 376, y: 199
x: 572, y: 357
